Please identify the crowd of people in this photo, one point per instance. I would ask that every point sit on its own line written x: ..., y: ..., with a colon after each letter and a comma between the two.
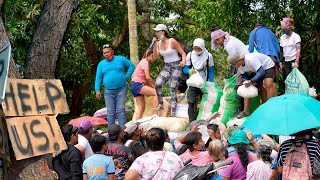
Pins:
x: 127, y: 151
x: 133, y: 153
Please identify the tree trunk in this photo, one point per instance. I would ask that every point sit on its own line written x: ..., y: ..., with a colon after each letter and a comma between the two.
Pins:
x: 146, y: 16
x: 133, y: 35
x: 44, y: 50
x: 79, y: 91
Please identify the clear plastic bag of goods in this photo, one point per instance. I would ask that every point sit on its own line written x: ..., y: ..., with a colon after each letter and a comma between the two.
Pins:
x: 296, y: 83
x: 195, y: 81
x: 247, y: 92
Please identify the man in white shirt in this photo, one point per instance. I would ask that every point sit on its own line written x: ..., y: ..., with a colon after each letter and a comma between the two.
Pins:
x: 255, y: 68
x: 85, y: 133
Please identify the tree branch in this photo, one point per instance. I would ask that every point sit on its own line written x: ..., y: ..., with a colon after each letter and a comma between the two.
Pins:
x: 117, y: 41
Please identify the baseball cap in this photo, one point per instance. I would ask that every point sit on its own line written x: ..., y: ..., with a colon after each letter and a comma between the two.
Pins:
x: 131, y: 127
x: 232, y: 58
x: 114, y: 130
x: 85, y: 124
x: 161, y: 27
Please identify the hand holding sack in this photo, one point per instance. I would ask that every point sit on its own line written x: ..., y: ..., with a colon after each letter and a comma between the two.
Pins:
x: 247, y: 92
x: 196, y: 81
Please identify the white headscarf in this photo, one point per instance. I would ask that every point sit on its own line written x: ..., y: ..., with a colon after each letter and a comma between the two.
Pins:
x: 198, y: 60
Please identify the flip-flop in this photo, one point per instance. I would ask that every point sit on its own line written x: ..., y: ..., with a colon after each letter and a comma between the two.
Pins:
x: 241, y: 115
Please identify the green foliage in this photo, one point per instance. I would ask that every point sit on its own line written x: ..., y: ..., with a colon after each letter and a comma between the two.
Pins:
x: 20, y: 18
x: 102, y: 22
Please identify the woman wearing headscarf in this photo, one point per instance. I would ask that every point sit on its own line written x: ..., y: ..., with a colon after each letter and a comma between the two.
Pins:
x: 233, y: 46
x: 290, y: 46
x: 198, y: 61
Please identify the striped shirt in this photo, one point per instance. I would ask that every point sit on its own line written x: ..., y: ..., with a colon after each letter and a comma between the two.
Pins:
x: 312, y: 145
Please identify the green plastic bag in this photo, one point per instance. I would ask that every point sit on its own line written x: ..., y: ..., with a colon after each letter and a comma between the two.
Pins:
x: 228, y: 101
x: 210, y: 101
x: 296, y: 83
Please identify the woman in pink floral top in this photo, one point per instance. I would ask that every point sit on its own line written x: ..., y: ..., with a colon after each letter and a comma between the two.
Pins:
x: 155, y: 164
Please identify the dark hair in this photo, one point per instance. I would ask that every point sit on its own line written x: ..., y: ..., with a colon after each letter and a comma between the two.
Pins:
x: 303, y: 133
x: 97, y: 142
x: 155, y: 139
x: 127, y: 136
x: 148, y: 53
x: 259, y: 23
x: 107, y: 46
x: 241, y: 149
x: 82, y: 131
x: 166, y: 34
x: 192, y: 138
x: 265, y: 155
x: 67, y: 130
x: 214, y: 27
x: 213, y: 127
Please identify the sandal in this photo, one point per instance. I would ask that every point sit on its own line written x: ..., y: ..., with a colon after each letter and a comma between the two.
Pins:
x: 158, y: 109
x: 241, y: 115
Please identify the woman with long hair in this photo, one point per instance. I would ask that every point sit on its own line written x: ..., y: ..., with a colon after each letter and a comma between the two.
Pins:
x: 169, y: 49
x: 238, y: 170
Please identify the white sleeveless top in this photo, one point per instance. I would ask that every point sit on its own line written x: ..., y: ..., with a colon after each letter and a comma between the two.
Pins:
x: 169, y: 55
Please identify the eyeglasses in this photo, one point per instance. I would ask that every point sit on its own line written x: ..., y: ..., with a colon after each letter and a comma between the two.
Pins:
x: 107, y: 46
x: 74, y: 129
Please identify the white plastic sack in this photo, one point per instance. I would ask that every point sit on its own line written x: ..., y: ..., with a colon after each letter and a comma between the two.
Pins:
x: 182, y: 110
x: 196, y: 81
x: 171, y: 124
x: 203, y: 130
x: 313, y: 92
x: 247, y: 92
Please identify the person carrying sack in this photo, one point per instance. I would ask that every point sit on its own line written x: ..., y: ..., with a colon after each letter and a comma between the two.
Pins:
x: 198, y: 61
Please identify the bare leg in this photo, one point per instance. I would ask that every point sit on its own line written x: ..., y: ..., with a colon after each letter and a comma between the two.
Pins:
x: 268, y: 85
x: 140, y: 109
x: 246, y: 105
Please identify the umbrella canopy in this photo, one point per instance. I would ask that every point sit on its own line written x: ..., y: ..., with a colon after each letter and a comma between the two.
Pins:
x: 285, y: 115
x: 95, y: 121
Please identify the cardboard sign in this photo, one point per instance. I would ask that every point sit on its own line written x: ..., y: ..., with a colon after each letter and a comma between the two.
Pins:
x: 4, y: 68
x: 26, y: 97
x: 35, y: 135
x: 4, y: 147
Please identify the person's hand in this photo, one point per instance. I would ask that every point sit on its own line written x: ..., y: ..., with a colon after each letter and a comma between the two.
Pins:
x: 296, y: 64
x: 214, y: 115
x: 98, y: 95
x: 247, y: 83
x: 154, y: 39
x: 194, y: 71
x: 280, y: 68
x: 250, y: 136
x: 182, y: 63
x: 195, y: 128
